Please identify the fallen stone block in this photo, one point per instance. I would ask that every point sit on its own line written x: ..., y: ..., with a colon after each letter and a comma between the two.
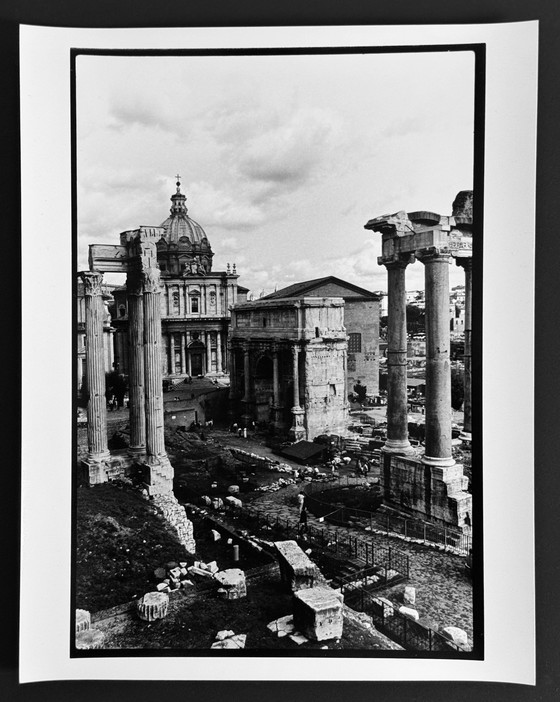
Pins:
x: 456, y: 635
x: 237, y: 641
x: 215, y: 534
x: 297, y: 570
x: 409, y: 595
x: 89, y: 639
x: 409, y: 612
x: 233, y: 489
x: 224, y: 634
x: 187, y: 583
x: 83, y: 620
x: 212, y: 567
x: 162, y: 587
x: 152, y: 606
x: 283, y: 625
x: 318, y: 613
x: 193, y: 570
x: 299, y: 639
x: 233, y: 501
x: 232, y: 584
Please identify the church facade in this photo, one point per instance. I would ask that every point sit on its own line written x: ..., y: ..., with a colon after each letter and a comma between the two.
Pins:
x: 195, y: 301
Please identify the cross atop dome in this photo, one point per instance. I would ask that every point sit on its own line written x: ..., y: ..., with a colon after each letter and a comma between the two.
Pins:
x: 178, y: 183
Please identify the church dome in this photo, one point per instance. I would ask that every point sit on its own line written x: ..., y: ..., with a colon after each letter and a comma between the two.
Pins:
x: 179, y: 224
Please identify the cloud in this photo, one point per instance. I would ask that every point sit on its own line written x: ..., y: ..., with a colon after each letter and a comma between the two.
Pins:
x: 286, y: 155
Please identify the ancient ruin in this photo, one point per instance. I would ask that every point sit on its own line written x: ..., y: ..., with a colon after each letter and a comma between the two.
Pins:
x: 432, y: 485
x: 288, y: 361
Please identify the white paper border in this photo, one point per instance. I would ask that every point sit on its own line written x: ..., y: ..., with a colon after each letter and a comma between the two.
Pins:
x: 508, y: 293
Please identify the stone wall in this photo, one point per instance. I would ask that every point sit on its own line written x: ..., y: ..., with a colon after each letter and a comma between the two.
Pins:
x: 325, y: 389
x: 427, y: 492
x: 175, y: 515
x: 362, y: 317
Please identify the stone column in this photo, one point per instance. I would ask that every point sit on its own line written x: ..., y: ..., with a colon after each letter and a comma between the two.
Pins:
x: 438, y: 367
x: 295, y: 358
x: 155, y: 445
x: 208, y: 352
x: 219, y: 352
x: 136, y: 363
x: 397, y: 399
x: 247, y: 374
x: 171, y: 353
x: 95, y: 367
x: 297, y: 430
x: 183, y: 358
x: 275, y: 378
x: 466, y: 435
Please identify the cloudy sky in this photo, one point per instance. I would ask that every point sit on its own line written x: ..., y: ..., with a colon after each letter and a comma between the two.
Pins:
x: 283, y: 158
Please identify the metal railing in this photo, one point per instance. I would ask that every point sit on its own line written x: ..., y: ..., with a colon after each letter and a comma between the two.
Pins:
x: 381, y: 521
x: 339, y: 543
x: 398, y: 626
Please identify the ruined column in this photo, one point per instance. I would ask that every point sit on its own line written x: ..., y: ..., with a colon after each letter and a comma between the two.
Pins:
x: 136, y: 363
x: 438, y: 367
x: 466, y: 435
x: 95, y: 367
x: 152, y: 368
x: 397, y: 399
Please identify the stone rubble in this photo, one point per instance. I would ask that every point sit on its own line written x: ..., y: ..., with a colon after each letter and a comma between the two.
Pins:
x: 409, y: 612
x: 282, y: 626
x: 152, y: 606
x: 89, y: 639
x: 83, y: 620
x: 175, y: 515
x: 456, y: 635
x: 232, y: 640
x: 409, y: 595
x: 233, y: 585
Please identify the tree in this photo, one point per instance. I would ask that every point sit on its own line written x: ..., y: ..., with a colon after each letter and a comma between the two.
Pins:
x: 415, y: 319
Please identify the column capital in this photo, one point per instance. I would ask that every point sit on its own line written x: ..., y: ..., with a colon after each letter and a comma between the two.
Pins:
x: 151, y: 279
x: 396, y: 261
x: 433, y: 253
x: 92, y: 283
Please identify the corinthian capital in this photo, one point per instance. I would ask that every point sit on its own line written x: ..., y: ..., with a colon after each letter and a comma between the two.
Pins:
x: 151, y: 278
x: 92, y: 282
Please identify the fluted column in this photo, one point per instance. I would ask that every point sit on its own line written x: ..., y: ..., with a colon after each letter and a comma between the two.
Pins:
x: 466, y: 264
x: 438, y: 367
x: 95, y: 367
x: 219, y: 352
x: 297, y: 431
x: 152, y: 368
x: 136, y: 363
x: 397, y: 402
x: 208, y: 352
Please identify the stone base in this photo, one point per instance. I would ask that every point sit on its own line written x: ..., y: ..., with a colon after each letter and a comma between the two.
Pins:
x: 297, y: 570
x: 96, y: 471
x: 232, y: 584
x: 152, y: 606
x: 318, y: 613
x: 435, y: 493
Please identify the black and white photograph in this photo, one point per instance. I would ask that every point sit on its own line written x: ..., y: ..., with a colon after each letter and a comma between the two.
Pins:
x: 273, y: 367
x: 280, y: 260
